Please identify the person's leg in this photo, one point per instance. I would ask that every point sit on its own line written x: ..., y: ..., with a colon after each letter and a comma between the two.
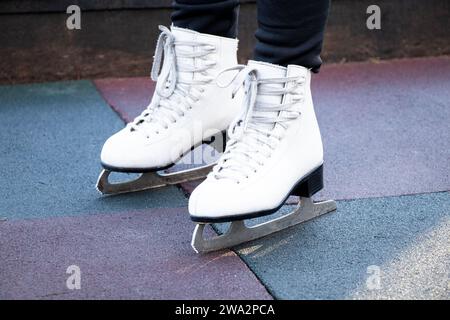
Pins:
x: 217, y: 17
x: 291, y: 32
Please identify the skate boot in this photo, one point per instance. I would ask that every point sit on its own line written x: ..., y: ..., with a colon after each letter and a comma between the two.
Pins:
x: 187, y: 109
x: 275, y: 150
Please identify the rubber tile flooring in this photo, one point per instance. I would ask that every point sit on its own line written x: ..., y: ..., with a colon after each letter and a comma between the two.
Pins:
x: 387, y: 159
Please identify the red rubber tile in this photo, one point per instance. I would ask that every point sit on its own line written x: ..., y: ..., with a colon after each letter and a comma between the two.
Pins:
x: 127, y: 96
x: 141, y: 254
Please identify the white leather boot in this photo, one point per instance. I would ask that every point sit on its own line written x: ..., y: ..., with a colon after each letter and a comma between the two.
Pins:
x: 187, y: 106
x: 275, y: 148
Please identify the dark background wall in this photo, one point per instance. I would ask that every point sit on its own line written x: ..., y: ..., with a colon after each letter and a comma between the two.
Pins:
x: 118, y: 36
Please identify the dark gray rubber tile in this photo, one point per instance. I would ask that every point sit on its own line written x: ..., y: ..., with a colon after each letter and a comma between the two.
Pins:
x: 51, y: 137
x: 134, y: 255
x: 403, y: 239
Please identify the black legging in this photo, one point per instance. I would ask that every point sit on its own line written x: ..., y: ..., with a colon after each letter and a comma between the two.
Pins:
x: 289, y: 31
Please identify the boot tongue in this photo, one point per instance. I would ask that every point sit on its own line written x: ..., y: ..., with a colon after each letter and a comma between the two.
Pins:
x: 184, y: 35
x: 268, y: 71
x: 180, y: 35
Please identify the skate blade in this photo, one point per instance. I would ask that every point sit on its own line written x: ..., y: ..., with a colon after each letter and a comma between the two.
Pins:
x: 239, y: 233
x: 150, y: 180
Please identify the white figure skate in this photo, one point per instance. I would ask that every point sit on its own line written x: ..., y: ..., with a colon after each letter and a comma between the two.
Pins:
x: 187, y: 109
x: 275, y: 150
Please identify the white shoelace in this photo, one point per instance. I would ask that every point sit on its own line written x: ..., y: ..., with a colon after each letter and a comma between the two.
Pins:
x: 252, y: 135
x: 173, y: 96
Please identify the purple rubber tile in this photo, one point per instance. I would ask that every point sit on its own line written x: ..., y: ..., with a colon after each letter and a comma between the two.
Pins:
x: 141, y: 254
x: 385, y: 125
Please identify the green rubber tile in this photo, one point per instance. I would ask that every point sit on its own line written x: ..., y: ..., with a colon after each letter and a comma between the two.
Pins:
x: 51, y: 139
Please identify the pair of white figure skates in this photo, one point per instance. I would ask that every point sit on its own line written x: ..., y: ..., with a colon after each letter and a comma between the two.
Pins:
x: 274, y: 148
